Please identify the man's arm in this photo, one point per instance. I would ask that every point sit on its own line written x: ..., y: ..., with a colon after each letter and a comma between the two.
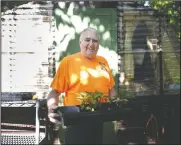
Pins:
x: 52, y: 104
x: 53, y: 98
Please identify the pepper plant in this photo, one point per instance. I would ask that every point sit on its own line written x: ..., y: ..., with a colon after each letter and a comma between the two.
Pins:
x: 91, y: 100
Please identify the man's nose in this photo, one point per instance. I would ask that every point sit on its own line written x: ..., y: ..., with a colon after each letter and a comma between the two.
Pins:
x: 91, y: 42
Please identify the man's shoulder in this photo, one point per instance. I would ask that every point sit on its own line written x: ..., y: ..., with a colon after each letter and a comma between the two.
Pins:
x: 101, y: 58
x: 71, y: 56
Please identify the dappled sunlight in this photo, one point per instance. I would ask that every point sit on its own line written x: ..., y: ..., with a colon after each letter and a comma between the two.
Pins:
x: 63, y: 16
x: 122, y: 78
x: 77, y: 59
x: 106, y: 35
x: 61, y: 5
x: 87, y: 73
x: 98, y: 73
x: 111, y: 56
x: 77, y: 23
x: 101, y: 28
x: 73, y: 78
x: 83, y: 67
x: 72, y: 19
x: 93, y: 72
x: 58, y: 12
x: 84, y: 9
x: 84, y: 77
x: 93, y: 26
x: 70, y: 11
x: 67, y: 34
x: 96, y: 21
x: 86, y: 20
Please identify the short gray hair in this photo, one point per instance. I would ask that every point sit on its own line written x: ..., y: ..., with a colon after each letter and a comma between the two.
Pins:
x: 88, y: 29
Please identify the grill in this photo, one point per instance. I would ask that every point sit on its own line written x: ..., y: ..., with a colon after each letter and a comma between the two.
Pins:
x: 19, y: 138
x: 23, y: 122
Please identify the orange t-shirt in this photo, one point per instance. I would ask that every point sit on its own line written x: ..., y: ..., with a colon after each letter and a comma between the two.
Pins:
x: 77, y: 74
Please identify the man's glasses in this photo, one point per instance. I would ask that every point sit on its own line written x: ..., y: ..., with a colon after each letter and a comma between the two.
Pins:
x: 89, y: 40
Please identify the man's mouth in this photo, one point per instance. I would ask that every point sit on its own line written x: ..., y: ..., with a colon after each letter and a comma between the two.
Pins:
x: 90, y: 50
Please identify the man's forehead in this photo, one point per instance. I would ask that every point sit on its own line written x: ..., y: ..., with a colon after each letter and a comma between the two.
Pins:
x: 90, y: 34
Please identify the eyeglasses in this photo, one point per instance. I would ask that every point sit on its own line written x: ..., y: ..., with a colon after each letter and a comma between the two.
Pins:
x: 89, y: 40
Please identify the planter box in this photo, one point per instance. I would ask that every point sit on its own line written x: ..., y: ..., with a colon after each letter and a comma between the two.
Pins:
x: 107, y: 112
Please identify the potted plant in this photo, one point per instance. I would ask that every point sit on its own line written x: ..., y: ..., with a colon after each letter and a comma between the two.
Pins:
x: 94, y: 101
x: 96, y: 106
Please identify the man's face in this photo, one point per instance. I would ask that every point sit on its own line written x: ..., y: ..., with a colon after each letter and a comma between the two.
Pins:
x: 89, y: 44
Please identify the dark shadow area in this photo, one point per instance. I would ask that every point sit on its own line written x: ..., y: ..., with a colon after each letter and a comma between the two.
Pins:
x: 109, y: 133
x: 131, y: 131
x: 143, y: 67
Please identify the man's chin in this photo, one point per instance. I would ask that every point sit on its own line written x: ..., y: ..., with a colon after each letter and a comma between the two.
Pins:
x: 91, y: 56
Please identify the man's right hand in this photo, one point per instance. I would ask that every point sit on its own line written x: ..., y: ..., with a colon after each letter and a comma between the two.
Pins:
x: 54, y: 115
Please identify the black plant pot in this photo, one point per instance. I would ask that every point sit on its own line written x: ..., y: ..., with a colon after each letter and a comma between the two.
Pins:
x: 104, y: 113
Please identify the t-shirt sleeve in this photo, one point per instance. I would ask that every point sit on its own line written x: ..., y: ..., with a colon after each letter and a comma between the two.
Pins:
x: 112, y: 82
x: 60, y: 80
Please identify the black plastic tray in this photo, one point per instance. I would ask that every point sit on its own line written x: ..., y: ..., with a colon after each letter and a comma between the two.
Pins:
x: 104, y: 114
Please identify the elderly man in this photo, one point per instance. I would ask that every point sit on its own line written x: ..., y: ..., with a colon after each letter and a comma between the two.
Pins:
x: 81, y: 72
